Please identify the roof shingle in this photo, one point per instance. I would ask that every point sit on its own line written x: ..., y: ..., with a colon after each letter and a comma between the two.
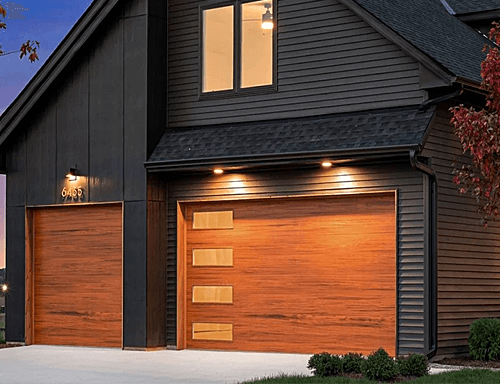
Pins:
x: 427, y: 25
x: 365, y: 130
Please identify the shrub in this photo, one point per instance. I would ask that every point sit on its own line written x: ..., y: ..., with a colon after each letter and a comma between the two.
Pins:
x: 413, y: 365
x: 353, y: 362
x: 2, y: 338
x: 484, y: 339
x: 324, y: 364
x: 380, y: 366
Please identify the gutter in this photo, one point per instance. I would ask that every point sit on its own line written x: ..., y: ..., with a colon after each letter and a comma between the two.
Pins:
x: 432, y: 247
x: 427, y: 103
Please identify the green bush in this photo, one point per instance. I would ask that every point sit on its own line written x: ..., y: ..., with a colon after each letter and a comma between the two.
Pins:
x: 353, y: 362
x: 2, y: 338
x: 413, y: 365
x: 484, y: 339
x: 380, y: 366
x: 324, y: 364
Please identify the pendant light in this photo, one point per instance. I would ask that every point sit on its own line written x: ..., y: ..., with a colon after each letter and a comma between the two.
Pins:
x: 267, y: 18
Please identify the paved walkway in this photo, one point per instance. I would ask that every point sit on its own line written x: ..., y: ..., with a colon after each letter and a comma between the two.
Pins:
x: 66, y: 365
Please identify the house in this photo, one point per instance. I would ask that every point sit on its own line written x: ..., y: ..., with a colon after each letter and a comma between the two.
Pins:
x: 180, y: 177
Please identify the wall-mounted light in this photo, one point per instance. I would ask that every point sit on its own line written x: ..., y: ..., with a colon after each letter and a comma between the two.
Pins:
x: 5, y: 288
x: 218, y: 171
x: 326, y: 164
x: 72, y: 175
x: 267, y: 17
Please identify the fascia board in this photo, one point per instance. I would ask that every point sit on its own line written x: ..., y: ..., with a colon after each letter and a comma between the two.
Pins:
x: 404, y: 44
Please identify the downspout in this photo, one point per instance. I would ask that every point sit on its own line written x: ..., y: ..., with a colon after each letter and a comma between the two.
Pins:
x: 432, y: 246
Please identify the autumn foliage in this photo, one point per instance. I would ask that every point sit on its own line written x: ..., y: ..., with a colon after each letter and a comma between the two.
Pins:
x: 28, y: 49
x: 479, y: 133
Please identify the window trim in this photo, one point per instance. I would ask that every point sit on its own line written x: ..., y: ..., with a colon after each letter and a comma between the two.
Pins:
x: 237, y: 59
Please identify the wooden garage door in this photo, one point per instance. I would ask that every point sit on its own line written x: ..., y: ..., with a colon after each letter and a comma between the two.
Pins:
x: 301, y: 275
x: 77, y: 276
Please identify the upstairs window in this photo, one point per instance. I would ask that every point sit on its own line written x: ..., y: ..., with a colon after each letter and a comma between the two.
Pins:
x: 238, y: 46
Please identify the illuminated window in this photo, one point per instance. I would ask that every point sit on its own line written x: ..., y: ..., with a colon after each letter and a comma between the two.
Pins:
x: 238, y: 46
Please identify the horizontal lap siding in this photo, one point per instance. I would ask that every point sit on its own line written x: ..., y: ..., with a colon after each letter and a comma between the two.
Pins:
x: 468, y: 254
x: 329, y: 61
x: 410, y: 232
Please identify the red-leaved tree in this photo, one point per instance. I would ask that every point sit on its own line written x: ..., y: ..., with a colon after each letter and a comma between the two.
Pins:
x: 27, y: 49
x: 479, y: 133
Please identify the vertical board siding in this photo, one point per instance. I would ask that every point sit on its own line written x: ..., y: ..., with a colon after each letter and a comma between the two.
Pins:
x: 468, y: 265
x: 361, y: 179
x: 329, y: 61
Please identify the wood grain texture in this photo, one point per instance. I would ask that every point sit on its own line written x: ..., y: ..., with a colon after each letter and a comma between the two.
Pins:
x: 309, y: 275
x: 362, y: 178
x: 78, y: 276
x: 468, y: 254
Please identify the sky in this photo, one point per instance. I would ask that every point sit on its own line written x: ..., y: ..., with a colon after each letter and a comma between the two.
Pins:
x: 46, y: 21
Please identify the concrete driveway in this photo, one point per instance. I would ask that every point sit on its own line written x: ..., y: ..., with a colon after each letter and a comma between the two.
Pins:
x: 66, y: 365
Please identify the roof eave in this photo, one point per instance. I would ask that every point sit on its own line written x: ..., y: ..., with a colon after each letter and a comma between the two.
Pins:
x: 448, y: 77
x: 252, y: 161
x: 57, y: 61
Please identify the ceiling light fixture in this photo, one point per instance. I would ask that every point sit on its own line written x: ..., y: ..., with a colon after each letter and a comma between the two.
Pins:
x: 267, y: 17
x: 218, y: 171
x: 326, y: 164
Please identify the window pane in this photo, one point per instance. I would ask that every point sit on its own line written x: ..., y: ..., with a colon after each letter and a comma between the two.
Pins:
x: 218, y: 49
x: 256, y: 45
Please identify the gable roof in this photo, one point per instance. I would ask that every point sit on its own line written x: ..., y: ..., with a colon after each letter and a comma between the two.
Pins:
x: 336, y: 135
x: 428, y: 26
x: 473, y: 6
x: 53, y: 66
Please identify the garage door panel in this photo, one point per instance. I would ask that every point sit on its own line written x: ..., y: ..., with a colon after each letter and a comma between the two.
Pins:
x: 78, y: 275
x: 306, y: 274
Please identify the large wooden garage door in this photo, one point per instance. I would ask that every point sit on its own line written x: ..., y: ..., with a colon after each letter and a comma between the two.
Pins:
x: 301, y: 275
x: 77, y: 276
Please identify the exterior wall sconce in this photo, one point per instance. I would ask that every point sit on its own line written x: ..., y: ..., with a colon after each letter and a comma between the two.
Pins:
x: 326, y: 164
x: 218, y: 171
x: 267, y: 18
x: 5, y: 288
x: 72, y: 175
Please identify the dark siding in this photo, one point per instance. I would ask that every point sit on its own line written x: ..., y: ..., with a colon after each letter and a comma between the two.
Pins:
x: 15, y: 261
x: 468, y: 254
x: 134, y: 274
x: 73, y: 127
x: 329, y: 61
x: 106, y: 116
x: 40, y: 159
x: 410, y: 231
x: 135, y: 103
x: 16, y: 171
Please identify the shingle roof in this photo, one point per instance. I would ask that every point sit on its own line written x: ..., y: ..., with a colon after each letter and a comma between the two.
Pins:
x: 472, y: 6
x: 427, y: 25
x: 365, y: 130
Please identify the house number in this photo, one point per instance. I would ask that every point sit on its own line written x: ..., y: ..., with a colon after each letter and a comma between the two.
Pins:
x: 72, y: 192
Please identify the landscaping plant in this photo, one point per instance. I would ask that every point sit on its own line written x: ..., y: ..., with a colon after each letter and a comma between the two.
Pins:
x: 484, y: 339
x: 324, y: 364
x: 413, y: 365
x: 353, y: 363
x: 380, y: 366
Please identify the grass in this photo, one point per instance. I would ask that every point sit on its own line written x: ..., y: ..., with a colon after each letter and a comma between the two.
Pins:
x: 467, y: 376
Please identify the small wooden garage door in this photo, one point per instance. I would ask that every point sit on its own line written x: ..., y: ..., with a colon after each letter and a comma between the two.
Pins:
x: 301, y: 275
x: 77, y: 275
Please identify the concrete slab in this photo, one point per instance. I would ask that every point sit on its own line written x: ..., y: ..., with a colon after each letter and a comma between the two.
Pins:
x: 64, y: 365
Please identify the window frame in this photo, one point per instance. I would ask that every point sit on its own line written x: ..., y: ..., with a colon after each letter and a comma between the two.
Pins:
x: 237, y: 52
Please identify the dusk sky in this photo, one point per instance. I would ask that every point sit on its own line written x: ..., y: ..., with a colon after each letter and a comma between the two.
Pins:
x: 47, y: 21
